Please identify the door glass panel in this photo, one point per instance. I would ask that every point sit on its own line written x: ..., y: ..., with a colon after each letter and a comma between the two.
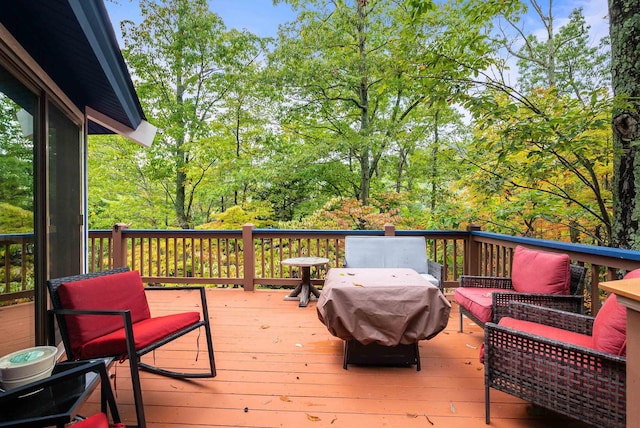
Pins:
x: 65, y: 195
x: 18, y: 108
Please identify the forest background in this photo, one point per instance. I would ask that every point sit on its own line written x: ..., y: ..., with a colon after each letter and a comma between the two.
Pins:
x: 363, y: 112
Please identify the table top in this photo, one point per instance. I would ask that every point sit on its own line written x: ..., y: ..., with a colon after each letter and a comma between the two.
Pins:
x: 629, y: 288
x: 305, y: 261
x: 53, y: 400
x: 388, y: 306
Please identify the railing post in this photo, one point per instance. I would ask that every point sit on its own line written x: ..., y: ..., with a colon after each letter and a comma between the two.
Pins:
x: 119, y: 245
x: 472, y: 253
x: 248, y: 250
x: 389, y: 229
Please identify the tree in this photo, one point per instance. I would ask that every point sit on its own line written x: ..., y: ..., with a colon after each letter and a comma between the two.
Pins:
x: 16, y: 159
x: 543, y: 148
x: 180, y: 55
x: 624, y: 16
x: 128, y: 193
x: 349, y: 71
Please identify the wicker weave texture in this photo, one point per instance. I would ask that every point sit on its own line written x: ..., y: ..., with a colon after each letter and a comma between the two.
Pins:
x: 566, y: 303
x: 578, y: 382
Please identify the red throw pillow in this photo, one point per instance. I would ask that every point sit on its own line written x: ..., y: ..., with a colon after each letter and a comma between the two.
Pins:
x: 109, y: 292
x: 610, y: 327
x: 540, y: 272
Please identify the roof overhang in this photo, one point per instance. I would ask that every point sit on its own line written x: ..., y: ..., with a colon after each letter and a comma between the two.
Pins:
x: 74, y: 43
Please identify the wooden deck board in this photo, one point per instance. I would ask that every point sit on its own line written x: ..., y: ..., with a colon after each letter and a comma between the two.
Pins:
x: 279, y: 363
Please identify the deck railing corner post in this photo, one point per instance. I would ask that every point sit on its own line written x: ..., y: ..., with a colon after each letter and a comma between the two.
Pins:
x: 472, y: 252
x: 389, y: 229
x: 248, y: 251
x: 119, y: 245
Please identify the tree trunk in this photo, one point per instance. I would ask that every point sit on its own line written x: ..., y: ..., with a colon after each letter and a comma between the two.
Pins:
x: 181, y: 160
x: 363, y: 95
x: 434, y: 160
x: 624, y: 16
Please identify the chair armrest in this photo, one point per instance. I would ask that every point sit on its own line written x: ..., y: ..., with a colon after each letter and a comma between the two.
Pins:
x: 506, y: 348
x: 122, y: 312
x: 436, y: 270
x: 576, y: 323
x: 562, y: 302
x: 486, y: 282
x: 126, y: 319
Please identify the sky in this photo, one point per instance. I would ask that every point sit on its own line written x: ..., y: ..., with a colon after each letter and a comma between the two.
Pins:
x: 259, y: 17
x: 262, y: 18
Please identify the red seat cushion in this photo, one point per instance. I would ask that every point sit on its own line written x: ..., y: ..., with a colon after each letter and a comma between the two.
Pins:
x: 542, y: 330
x: 99, y: 420
x: 553, y: 333
x: 540, y: 272
x: 118, y: 291
x: 145, y: 332
x: 478, y: 301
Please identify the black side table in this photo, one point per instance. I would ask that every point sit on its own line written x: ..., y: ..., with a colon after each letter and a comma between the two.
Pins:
x: 56, y: 399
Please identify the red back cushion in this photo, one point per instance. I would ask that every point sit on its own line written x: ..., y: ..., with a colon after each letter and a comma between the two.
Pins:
x: 109, y: 292
x: 610, y: 325
x: 540, y: 272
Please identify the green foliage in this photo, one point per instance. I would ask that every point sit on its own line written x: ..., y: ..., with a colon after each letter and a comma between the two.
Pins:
x: 352, y: 118
x: 258, y: 214
x: 16, y: 158
x: 15, y: 219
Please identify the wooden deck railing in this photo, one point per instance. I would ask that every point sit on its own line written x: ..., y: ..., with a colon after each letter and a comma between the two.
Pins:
x: 252, y: 257
x: 16, y: 269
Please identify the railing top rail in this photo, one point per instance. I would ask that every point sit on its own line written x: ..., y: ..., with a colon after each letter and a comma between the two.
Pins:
x: 358, y: 232
x: 16, y: 236
x: 618, y: 253
x: 181, y: 232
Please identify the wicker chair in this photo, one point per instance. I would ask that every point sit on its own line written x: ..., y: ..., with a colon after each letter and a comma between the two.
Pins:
x: 573, y: 302
x: 579, y: 382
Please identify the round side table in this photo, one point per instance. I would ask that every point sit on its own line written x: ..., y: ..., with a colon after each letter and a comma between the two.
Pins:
x: 304, y: 290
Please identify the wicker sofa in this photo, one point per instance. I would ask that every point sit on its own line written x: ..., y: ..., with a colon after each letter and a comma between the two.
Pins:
x: 552, y: 358
x: 485, y: 299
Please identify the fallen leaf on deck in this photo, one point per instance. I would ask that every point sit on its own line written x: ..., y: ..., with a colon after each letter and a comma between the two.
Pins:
x: 357, y: 284
x: 428, y: 420
x: 312, y: 418
x: 471, y: 346
x: 285, y: 398
x: 299, y: 345
x: 334, y: 419
x: 264, y: 326
x: 412, y: 415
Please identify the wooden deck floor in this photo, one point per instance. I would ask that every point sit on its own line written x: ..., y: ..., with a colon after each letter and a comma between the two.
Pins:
x: 279, y: 367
